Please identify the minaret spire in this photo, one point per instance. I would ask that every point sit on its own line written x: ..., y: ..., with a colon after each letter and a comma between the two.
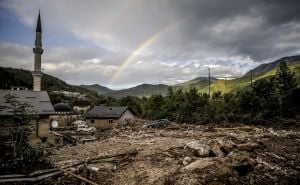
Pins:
x: 39, y: 25
x: 38, y: 51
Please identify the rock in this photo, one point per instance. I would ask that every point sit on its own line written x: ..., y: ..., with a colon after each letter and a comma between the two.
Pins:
x: 259, y: 160
x: 242, y: 163
x: 226, y: 145
x: 187, y: 160
x: 208, y: 171
x: 248, y: 147
x: 168, y: 159
x: 199, y: 164
x: 198, y: 149
x: 258, y: 130
x: 217, y: 151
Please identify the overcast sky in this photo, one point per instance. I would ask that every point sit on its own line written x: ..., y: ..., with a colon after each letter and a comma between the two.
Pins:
x: 122, y: 43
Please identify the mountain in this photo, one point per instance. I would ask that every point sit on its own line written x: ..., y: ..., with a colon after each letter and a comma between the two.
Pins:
x: 198, y: 83
x: 272, y: 65
x: 11, y: 77
x: 262, y: 71
x: 225, y: 86
x: 98, y: 88
x: 140, y: 91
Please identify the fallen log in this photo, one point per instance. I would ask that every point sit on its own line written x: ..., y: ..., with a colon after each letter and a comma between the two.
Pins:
x: 130, y: 152
x: 11, y: 176
x: 235, y: 128
x: 79, y: 177
x: 39, y: 172
x: 43, y: 174
x: 114, y: 158
x: 29, y: 178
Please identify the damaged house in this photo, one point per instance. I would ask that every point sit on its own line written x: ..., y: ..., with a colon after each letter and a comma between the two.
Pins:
x: 108, y: 117
x: 39, y: 103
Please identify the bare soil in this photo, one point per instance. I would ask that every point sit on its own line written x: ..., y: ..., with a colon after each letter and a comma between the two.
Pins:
x: 177, y: 154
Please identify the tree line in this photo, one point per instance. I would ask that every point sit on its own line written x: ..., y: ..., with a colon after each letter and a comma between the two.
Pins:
x: 266, y: 98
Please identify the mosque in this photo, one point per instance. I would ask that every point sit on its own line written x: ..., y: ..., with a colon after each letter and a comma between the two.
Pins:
x: 61, y: 113
x: 38, y: 100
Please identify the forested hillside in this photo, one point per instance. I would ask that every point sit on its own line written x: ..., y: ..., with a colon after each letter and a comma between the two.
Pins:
x: 11, y: 77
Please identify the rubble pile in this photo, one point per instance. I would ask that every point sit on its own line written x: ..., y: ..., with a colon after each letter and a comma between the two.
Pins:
x: 184, y: 154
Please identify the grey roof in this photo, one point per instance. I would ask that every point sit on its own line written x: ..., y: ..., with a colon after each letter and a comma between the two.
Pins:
x: 106, y: 112
x: 39, y: 100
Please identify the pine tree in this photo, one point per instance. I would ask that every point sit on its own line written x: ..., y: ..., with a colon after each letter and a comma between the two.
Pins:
x: 286, y: 84
x: 286, y: 80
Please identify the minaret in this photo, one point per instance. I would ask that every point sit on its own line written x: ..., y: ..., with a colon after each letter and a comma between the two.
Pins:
x: 38, y: 51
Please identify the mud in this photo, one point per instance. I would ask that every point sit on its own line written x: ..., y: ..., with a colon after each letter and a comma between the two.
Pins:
x: 188, y: 154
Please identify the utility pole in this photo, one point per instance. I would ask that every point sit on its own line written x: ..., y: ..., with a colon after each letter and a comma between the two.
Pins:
x: 251, y: 76
x: 209, y: 82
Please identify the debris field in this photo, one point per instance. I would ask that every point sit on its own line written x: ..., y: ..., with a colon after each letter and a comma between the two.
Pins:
x: 183, y: 154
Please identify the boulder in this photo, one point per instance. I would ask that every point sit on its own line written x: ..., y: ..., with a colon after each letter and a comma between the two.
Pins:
x: 187, y: 160
x: 250, y: 147
x: 198, y: 149
x: 217, y: 151
x: 242, y: 163
x: 199, y: 164
x: 226, y: 145
x: 207, y: 171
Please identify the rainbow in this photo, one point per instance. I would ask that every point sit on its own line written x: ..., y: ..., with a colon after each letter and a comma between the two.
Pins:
x: 140, y: 48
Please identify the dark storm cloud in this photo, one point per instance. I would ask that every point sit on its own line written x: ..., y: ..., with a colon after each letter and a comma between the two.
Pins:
x: 268, y: 23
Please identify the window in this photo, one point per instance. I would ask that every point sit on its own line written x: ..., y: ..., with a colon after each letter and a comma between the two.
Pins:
x: 92, y: 121
x: 110, y: 121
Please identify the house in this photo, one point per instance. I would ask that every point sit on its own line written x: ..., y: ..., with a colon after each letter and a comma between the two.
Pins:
x: 82, y: 106
x: 38, y: 102
x: 71, y: 94
x: 108, y: 117
x: 63, y: 116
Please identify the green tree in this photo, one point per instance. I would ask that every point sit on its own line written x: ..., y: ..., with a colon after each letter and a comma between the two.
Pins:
x: 175, y: 106
x: 18, y: 156
x: 286, y: 80
x: 154, y: 107
x: 260, y: 102
x: 132, y: 102
x: 286, y: 84
x: 265, y: 90
x: 190, y: 105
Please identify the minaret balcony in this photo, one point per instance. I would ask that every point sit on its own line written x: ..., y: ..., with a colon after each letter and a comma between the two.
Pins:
x: 37, y: 73
x: 38, y: 50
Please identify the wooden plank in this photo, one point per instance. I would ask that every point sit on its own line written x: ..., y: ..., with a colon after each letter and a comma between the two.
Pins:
x: 11, y: 176
x: 235, y: 128
x: 38, y: 172
x: 29, y: 179
x: 79, y: 177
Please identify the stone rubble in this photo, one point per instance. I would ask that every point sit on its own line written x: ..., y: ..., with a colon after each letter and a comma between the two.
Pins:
x: 190, y: 154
